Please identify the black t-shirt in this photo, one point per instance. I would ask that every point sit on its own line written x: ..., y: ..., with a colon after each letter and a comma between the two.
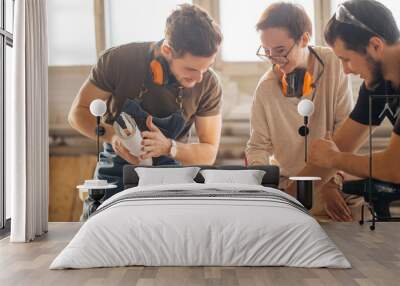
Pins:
x: 382, y: 107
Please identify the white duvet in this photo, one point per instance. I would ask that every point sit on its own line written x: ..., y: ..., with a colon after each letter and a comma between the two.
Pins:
x: 267, y: 229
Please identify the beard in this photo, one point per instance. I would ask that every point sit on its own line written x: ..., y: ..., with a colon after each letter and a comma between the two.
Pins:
x: 376, y: 73
x: 176, y: 77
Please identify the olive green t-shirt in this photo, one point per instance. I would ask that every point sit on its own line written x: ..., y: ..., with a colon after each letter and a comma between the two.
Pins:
x: 124, y: 70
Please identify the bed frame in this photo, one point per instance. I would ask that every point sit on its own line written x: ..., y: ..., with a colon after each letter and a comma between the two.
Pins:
x: 270, y: 179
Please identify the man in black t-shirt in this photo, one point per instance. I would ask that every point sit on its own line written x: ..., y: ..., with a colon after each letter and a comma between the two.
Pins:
x: 383, y: 105
x: 365, y: 37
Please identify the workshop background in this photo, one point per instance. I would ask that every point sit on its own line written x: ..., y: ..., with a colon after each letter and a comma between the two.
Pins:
x: 79, y: 30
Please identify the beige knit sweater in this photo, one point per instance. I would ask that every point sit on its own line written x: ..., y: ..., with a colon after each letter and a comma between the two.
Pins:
x: 274, y: 137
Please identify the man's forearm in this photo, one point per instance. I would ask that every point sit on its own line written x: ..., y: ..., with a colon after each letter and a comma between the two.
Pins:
x: 348, y: 138
x: 196, y: 153
x: 383, y: 167
x: 85, y: 123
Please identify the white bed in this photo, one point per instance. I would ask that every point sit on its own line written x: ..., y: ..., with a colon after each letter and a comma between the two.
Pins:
x: 201, y: 224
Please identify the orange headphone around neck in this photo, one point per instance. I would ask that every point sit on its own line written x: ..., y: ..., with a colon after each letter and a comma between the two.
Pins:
x: 303, y: 88
x: 158, y: 66
x: 299, y: 83
x: 160, y: 72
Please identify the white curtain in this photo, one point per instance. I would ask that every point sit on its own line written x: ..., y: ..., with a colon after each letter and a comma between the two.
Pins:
x: 27, y: 123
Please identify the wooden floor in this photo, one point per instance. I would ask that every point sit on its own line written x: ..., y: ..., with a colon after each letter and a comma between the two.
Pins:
x: 374, y: 255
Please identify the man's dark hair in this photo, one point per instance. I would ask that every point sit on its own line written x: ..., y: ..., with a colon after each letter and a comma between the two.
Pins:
x: 190, y: 29
x: 372, y: 14
x: 286, y: 15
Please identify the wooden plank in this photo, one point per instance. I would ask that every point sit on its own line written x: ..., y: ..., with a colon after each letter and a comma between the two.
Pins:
x: 66, y: 172
x: 99, y: 26
x: 374, y: 255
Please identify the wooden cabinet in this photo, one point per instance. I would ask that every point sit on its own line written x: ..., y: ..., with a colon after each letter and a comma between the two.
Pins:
x: 66, y: 172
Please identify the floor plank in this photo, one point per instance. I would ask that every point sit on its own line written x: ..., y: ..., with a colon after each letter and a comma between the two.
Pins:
x: 374, y: 255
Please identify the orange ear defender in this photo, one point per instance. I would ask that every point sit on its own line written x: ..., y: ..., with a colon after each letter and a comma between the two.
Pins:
x: 284, y: 85
x: 307, y: 84
x: 159, y: 69
x: 300, y: 82
x: 296, y: 84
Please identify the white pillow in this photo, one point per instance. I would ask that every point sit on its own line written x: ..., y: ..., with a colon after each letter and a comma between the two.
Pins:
x: 248, y: 177
x: 163, y: 176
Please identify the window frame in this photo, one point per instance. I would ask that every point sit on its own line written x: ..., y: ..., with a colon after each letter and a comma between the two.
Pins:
x: 6, y: 39
x: 242, y: 68
x: 256, y: 68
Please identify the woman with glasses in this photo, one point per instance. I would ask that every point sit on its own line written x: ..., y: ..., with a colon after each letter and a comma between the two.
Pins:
x: 298, y: 71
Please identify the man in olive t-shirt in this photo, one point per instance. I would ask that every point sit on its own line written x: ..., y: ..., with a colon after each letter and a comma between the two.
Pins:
x: 128, y: 78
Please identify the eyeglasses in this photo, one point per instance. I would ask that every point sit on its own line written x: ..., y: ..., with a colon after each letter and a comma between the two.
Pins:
x: 343, y: 15
x: 265, y: 55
